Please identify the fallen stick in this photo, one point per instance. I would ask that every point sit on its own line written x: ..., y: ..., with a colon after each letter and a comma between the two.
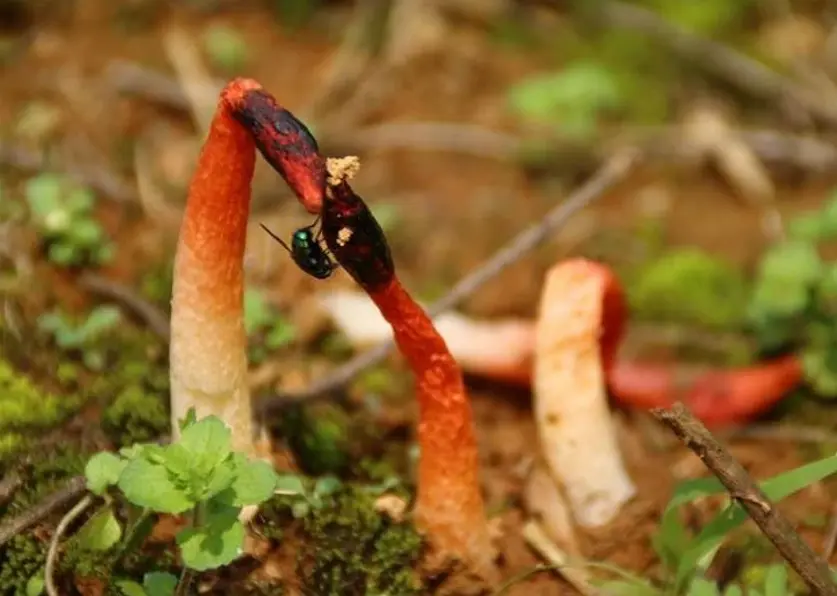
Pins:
x: 743, y: 489
x: 71, y: 491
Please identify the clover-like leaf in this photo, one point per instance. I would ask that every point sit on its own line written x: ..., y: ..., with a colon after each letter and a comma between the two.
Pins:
x: 158, y: 583
x: 102, y: 471
x: 148, y: 484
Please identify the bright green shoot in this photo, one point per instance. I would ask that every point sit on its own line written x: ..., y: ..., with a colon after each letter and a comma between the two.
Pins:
x: 199, y: 477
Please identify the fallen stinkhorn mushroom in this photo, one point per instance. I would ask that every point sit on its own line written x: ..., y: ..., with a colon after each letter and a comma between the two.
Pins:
x: 578, y: 329
x: 449, y: 503
x: 208, y: 361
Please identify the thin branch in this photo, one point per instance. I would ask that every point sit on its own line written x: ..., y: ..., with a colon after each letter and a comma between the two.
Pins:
x: 73, y: 490
x: 743, y: 489
x: 608, y: 176
x: 8, y: 486
x: 52, y: 553
x: 725, y: 63
x: 152, y: 316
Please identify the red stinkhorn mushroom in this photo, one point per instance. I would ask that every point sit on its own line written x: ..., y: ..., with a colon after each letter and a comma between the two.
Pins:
x: 208, y: 362
x: 449, y: 503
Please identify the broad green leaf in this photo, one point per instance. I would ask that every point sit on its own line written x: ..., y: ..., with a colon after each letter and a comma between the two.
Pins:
x: 219, y: 541
x: 208, y: 442
x: 103, y: 470
x: 735, y: 590
x: 221, y: 480
x: 621, y: 587
x: 130, y: 588
x: 289, y: 484
x: 100, y: 532
x: 776, y: 581
x: 157, y: 583
x: 327, y: 485
x: 254, y: 482
x: 100, y: 319
x: 176, y: 460
x: 146, y: 484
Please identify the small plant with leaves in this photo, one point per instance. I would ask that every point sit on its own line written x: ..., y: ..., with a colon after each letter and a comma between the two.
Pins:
x: 686, y: 558
x: 63, y: 214
x: 794, y: 299
x: 82, y: 337
x: 199, y: 477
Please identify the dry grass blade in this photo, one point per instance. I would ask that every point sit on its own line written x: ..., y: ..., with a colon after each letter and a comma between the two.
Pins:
x: 538, y: 539
x: 192, y: 75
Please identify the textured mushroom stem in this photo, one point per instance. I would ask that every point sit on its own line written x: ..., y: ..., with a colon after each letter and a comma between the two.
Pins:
x: 207, y: 354
x: 208, y: 357
x: 449, y: 504
x: 574, y: 342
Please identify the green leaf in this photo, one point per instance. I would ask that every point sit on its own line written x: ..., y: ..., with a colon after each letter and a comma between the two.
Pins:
x: 289, y: 484
x: 221, y: 480
x: 103, y: 470
x: 735, y: 590
x: 619, y: 587
x: 130, y: 588
x: 188, y: 420
x: 100, y: 320
x: 254, y: 483
x: 219, y: 541
x: 147, y: 484
x: 43, y: 194
x: 776, y: 581
x: 157, y: 583
x: 327, y: 485
x: 702, y: 587
x: 257, y: 311
x: 100, y: 532
x: 36, y: 584
x: 208, y: 442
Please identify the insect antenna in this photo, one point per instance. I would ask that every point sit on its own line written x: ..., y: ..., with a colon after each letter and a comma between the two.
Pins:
x: 275, y: 237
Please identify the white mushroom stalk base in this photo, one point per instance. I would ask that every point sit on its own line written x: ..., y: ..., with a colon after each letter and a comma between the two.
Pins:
x: 571, y: 408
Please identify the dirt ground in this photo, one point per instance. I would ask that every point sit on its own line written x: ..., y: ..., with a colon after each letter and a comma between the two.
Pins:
x: 458, y: 208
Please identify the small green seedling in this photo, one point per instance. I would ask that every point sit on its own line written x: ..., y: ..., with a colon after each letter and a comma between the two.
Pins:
x: 266, y: 329
x: 82, y: 337
x: 63, y: 214
x: 199, y: 476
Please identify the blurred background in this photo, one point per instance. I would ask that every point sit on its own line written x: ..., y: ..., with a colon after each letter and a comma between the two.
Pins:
x: 472, y: 119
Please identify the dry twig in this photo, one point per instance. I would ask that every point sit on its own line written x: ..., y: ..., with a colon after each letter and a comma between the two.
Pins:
x: 52, y: 553
x: 743, y: 489
x: 608, y: 176
x: 74, y: 488
x: 152, y: 316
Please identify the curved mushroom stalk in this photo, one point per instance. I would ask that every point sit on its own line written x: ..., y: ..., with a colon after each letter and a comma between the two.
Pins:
x: 574, y: 348
x: 449, y: 505
x: 207, y: 353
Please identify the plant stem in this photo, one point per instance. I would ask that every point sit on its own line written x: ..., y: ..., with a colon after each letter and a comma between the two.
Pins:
x: 136, y: 534
x: 187, y: 574
x: 743, y: 489
x: 52, y: 554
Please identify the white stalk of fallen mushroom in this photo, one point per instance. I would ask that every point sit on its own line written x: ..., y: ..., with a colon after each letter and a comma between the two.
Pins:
x: 576, y: 431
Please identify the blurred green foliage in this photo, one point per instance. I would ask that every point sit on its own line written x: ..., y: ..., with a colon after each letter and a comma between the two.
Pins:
x: 690, y: 286
x: 63, y: 214
x: 267, y: 330
x: 794, y: 303
x: 226, y: 48
x: 82, y: 336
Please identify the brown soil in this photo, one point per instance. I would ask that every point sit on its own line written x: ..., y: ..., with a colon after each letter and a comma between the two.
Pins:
x: 451, y: 204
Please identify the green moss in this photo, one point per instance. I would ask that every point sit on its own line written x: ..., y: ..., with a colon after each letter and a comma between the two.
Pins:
x: 319, y: 438
x: 24, y: 406
x: 21, y: 558
x: 135, y: 417
x: 689, y: 286
x: 351, y: 549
